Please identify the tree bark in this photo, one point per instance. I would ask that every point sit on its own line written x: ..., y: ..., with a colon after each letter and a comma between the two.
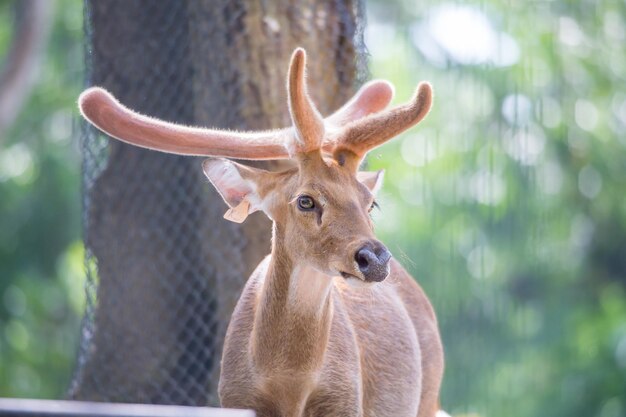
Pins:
x: 169, y: 268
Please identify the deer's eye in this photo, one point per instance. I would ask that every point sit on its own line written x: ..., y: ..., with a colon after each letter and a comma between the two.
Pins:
x: 306, y: 203
x: 374, y: 204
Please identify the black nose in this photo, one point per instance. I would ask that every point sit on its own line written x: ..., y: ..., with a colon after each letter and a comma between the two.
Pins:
x: 373, y: 260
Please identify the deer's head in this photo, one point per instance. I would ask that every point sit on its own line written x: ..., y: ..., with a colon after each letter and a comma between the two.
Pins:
x: 321, y: 206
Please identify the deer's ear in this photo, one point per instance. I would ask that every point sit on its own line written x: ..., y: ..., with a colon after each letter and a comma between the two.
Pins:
x: 372, y: 180
x: 237, y: 186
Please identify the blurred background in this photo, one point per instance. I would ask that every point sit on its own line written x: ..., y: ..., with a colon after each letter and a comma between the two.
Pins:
x: 507, y: 204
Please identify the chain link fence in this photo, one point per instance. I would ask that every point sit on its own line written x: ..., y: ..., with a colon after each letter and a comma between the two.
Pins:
x: 164, y: 269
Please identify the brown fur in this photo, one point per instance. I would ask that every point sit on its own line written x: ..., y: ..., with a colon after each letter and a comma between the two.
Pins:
x: 303, y: 340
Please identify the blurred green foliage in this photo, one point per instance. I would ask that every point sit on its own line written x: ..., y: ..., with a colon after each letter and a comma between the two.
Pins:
x: 507, y: 203
x: 41, y: 273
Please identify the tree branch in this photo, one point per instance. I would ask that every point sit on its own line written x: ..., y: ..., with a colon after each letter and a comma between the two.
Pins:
x: 17, y: 79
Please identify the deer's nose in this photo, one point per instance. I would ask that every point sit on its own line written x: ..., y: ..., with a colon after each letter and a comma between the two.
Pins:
x: 373, y: 260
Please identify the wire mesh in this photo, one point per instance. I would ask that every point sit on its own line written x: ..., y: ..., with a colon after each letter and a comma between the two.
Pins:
x: 164, y: 269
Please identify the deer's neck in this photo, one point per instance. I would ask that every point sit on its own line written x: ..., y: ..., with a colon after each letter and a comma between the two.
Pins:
x: 294, y: 314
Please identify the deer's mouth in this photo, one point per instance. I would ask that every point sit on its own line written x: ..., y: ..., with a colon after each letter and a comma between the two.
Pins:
x: 356, y: 282
x: 347, y: 275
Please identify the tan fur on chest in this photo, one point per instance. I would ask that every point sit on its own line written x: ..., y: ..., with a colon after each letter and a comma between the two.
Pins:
x: 372, y: 354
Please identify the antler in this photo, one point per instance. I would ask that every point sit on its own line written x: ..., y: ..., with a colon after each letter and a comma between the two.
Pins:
x: 306, y: 119
x: 373, y: 97
x: 107, y: 114
x: 364, y: 134
x: 352, y: 130
x: 101, y: 109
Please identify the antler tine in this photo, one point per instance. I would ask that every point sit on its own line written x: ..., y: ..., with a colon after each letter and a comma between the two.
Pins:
x: 372, y: 97
x: 368, y: 132
x: 306, y: 119
x: 107, y: 114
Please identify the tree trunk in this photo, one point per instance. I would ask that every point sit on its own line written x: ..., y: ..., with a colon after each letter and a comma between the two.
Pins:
x: 169, y: 268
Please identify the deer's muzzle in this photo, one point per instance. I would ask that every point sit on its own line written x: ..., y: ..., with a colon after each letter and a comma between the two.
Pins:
x: 373, y: 261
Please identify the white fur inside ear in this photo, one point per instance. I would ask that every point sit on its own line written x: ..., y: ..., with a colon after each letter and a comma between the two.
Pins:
x: 227, y: 179
x: 372, y: 180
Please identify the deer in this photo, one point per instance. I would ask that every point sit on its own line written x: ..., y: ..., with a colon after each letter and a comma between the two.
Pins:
x: 329, y: 323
